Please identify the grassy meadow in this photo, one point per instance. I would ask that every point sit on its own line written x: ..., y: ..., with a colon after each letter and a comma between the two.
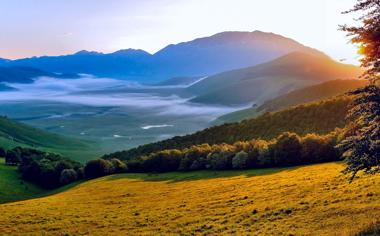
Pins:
x: 308, y: 200
x: 13, y: 188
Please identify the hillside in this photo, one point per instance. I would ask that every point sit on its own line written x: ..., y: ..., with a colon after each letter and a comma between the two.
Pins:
x: 311, y: 200
x: 320, y: 117
x: 255, y: 85
x: 199, y: 57
x: 305, y: 95
x: 13, y: 134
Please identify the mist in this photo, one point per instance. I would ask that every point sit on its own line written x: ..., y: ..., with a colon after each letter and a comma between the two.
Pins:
x: 106, y: 92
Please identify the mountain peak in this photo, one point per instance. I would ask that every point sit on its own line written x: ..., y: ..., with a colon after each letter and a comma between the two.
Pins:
x: 85, y: 52
x: 130, y: 51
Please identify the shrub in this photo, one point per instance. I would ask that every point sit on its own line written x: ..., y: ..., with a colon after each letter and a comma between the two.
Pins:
x: 97, y: 168
x: 220, y: 161
x: 68, y: 176
x: 287, y: 150
x: 3, y: 153
x: 240, y: 160
x: 118, y: 166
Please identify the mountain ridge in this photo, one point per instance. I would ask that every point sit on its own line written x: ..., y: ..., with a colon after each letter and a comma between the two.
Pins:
x: 199, y: 57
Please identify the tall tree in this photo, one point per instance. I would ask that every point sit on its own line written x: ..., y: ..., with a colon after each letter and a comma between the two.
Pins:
x: 367, y: 36
x: 362, y: 146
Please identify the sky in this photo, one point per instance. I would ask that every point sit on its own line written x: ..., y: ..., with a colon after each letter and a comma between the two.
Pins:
x: 57, y: 27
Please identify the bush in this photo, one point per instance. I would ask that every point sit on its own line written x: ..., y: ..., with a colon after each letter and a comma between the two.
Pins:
x: 118, y: 166
x: 287, y: 150
x: 220, y: 161
x: 68, y: 176
x: 240, y: 160
x: 97, y: 168
x: 3, y: 153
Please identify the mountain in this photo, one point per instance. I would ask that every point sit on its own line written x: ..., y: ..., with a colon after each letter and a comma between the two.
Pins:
x: 224, y: 51
x: 200, y: 57
x: 2, y: 61
x: 305, y: 95
x: 257, y: 84
x: 123, y: 64
x: 319, y: 117
x: 20, y: 74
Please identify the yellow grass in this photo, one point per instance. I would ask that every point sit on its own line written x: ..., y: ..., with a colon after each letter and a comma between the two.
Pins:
x: 311, y: 200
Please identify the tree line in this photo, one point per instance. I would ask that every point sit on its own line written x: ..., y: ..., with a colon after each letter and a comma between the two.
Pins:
x: 50, y: 170
x: 318, y: 117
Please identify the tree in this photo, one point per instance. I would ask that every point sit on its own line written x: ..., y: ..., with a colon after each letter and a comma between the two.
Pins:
x: 118, y: 166
x: 361, y: 147
x: 367, y: 36
x: 287, y: 150
x: 68, y: 176
x: 240, y: 160
x: 97, y: 168
x: 3, y: 153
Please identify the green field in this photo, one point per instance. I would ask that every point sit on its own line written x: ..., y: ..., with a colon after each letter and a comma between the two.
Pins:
x: 13, y: 188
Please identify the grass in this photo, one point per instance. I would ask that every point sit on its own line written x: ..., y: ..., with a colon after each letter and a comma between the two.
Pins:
x: 13, y: 188
x: 309, y: 200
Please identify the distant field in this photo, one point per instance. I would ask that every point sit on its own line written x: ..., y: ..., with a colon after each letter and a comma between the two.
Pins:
x: 315, y: 200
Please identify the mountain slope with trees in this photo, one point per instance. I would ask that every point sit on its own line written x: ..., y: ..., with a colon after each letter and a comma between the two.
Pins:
x: 320, y: 117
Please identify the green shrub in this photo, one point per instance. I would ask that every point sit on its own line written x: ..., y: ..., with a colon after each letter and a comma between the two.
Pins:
x: 97, y: 168
x: 240, y: 160
x: 118, y: 166
x: 68, y: 176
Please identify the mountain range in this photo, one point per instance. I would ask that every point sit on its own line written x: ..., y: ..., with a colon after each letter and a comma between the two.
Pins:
x: 200, y: 57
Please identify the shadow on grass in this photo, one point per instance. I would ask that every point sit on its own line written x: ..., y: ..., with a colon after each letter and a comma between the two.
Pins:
x: 173, y: 177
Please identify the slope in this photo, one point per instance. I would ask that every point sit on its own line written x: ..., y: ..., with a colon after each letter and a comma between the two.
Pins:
x: 311, y: 200
x: 305, y: 95
x: 320, y: 117
x: 255, y: 85
x: 13, y: 134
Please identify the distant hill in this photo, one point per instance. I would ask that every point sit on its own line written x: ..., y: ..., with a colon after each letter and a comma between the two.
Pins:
x: 200, y: 57
x: 320, y: 117
x: 305, y: 95
x: 13, y: 134
x: 257, y: 84
x: 20, y: 74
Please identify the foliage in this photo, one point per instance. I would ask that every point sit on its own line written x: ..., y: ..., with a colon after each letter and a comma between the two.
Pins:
x: 240, y: 160
x: 288, y: 149
x: 362, y: 145
x: 68, y: 176
x: 97, y: 168
x: 320, y: 118
x: 42, y: 168
x: 367, y: 36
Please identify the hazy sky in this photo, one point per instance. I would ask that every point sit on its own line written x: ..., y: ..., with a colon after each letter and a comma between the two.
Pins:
x: 56, y: 27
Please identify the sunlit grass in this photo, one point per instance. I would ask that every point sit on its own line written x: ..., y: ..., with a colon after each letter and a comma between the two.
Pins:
x: 309, y: 200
